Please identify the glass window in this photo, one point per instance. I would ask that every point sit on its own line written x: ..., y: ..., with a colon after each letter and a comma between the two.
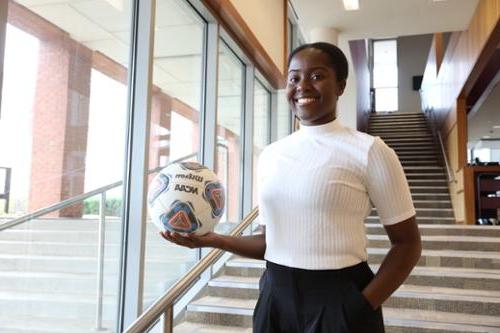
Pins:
x: 284, y: 115
x: 62, y: 134
x: 261, y: 128
x: 229, y: 123
x: 175, y: 129
x: 385, y: 75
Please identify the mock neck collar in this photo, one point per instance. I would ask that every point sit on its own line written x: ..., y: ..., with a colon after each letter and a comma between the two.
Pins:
x: 329, y: 127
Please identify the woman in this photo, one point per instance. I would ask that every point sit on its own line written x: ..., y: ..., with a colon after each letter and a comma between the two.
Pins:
x: 316, y: 187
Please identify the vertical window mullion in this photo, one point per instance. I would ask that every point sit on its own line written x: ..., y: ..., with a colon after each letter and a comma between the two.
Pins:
x: 248, y: 134
x: 208, y: 123
x: 137, y: 147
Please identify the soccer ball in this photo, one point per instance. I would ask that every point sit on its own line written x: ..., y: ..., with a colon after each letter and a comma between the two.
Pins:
x: 186, y: 198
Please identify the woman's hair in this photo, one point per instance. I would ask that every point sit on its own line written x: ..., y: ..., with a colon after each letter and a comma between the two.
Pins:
x: 338, y: 60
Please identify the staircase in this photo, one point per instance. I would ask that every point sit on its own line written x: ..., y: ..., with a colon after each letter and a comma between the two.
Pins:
x: 454, y: 288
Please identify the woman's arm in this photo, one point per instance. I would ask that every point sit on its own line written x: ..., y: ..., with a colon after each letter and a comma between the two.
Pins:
x: 405, y: 251
x: 247, y: 246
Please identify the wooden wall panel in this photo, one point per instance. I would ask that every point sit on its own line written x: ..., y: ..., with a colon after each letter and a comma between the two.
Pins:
x: 444, y: 93
x: 232, y: 21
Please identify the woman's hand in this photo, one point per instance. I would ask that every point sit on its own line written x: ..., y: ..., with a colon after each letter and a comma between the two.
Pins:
x: 192, y: 241
x: 246, y: 246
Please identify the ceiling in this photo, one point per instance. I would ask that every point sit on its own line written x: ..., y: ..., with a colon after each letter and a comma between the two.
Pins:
x: 385, y: 18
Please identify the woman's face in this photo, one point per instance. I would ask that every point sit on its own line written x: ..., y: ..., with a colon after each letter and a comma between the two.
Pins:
x: 312, y: 87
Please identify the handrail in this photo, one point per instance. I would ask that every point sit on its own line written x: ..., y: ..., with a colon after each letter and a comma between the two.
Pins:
x: 451, y: 178
x: 164, y: 304
x: 78, y: 198
x: 437, y: 134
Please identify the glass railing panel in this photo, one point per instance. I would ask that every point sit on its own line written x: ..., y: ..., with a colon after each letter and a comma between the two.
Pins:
x: 62, y: 272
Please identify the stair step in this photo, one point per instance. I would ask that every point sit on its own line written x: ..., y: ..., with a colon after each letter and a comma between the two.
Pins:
x: 405, y: 135
x: 432, y: 204
x: 445, y: 229
x: 410, y: 144
x: 420, y: 163
x: 430, y: 196
x: 429, y: 189
x: 420, y: 219
x: 238, y: 312
x: 393, y: 115
x: 390, y: 127
x: 446, y: 258
x: 422, y: 169
x: 400, y: 151
x: 409, y: 296
x: 398, y: 133
x: 432, y: 212
x: 394, y: 123
x: 438, y: 242
x: 423, y: 141
x: 82, y: 265
x: 436, y: 175
x: 67, y: 283
x: 426, y: 321
x: 53, y: 305
x: 34, y: 324
x: 419, y: 156
x: 188, y: 327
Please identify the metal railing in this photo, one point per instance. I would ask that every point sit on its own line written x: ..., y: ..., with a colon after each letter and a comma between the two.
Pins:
x: 5, y: 194
x: 437, y: 134
x: 163, y: 308
x: 102, y: 218
x: 451, y: 177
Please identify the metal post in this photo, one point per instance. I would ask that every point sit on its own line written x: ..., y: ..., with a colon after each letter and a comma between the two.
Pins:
x: 100, y: 260
x: 248, y: 141
x: 167, y: 320
x: 208, y: 118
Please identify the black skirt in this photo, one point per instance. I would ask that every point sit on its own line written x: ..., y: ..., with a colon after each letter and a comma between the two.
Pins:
x: 296, y: 300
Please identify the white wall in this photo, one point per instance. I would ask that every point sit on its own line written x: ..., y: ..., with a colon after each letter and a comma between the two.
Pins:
x: 412, y: 57
x: 347, y: 105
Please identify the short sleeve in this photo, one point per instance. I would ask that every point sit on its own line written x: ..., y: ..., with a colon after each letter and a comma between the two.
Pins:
x: 387, y: 185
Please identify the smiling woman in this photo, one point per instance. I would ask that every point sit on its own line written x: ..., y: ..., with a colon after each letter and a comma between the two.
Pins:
x: 316, y: 187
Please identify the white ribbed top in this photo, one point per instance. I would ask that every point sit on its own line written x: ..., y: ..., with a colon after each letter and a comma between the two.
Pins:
x: 315, y: 188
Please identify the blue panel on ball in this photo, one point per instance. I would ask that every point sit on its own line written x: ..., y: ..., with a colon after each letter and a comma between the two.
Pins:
x: 214, y: 195
x: 180, y: 218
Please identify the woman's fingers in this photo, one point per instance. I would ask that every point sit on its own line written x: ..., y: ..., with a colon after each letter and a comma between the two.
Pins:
x: 179, y: 239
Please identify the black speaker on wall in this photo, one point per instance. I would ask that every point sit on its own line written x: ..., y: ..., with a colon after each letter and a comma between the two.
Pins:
x: 417, y: 82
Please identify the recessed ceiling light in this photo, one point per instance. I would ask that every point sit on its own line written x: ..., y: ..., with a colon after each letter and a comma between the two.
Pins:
x: 486, y: 136
x: 496, y: 126
x: 351, y: 4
